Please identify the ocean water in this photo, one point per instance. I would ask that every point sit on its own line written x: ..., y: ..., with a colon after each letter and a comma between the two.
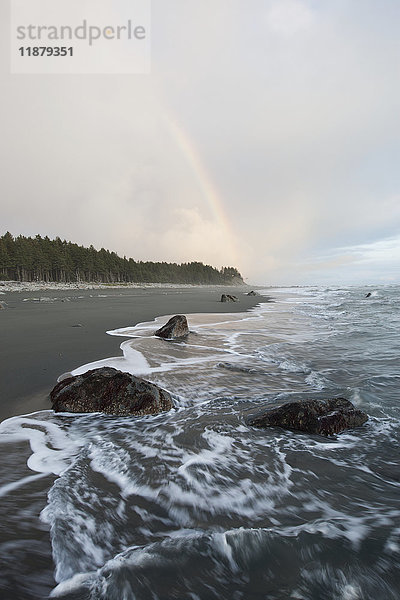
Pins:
x: 194, y: 504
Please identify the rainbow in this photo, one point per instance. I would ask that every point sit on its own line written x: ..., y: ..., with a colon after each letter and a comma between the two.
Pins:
x: 206, y: 186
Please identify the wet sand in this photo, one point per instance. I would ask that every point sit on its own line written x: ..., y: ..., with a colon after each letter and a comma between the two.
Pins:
x: 42, y: 340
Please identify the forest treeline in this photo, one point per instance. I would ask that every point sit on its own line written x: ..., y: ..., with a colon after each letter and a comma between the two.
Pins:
x: 42, y: 259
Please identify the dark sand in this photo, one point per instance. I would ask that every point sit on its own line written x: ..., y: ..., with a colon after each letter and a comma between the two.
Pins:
x: 40, y: 340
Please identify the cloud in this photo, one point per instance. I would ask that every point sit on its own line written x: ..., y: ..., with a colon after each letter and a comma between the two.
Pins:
x: 381, y: 252
x: 290, y: 107
x: 288, y: 17
x: 359, y: 263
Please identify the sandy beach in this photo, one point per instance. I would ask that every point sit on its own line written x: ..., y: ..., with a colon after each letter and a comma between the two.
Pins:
x: 48, y: 331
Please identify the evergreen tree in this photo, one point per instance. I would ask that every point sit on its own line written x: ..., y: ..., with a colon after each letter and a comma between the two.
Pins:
x: 41, y: 259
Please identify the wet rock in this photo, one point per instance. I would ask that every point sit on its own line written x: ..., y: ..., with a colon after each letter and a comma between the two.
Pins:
x: 66, y: 375
x: 229, y: 298
x: 109, y: 391
x: 177, y: 327
x: 324, y: 417
x: 252, y: 293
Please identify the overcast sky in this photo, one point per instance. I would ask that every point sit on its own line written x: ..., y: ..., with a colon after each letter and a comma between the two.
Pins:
x: 266, y: 137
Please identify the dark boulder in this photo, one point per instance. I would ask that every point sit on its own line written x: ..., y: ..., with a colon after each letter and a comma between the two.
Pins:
x: 325, y: 417
x: 109, y: 391
x: 229, y: 298
x: 177, y: 327
x: 252, y: 293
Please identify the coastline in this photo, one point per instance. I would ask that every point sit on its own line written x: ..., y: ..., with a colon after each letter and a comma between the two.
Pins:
x: 47, y: 334
x: 37, y: 286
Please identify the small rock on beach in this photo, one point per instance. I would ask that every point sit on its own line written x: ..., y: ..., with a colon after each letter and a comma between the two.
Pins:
x: 176, y: 328
x: 229, y: 298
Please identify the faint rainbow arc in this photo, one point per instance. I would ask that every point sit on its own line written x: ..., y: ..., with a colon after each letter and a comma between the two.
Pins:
x: 205, y: 184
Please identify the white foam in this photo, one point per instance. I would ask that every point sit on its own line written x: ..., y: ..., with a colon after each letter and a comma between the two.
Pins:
x: 50, y: 445
x: 132, y: 362
x: 292, y: 366
x: 114, y: 464
x: 316, y: 381
x: 351, y: 592
x: 221, y: 544
x: 71, y: 585
x: 11, y: 487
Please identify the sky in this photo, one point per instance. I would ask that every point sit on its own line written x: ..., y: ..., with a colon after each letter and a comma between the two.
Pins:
x: 266, y: 137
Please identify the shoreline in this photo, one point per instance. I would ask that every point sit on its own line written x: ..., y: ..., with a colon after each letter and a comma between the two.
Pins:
x: 39, y: 286
x: 42, y: 338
